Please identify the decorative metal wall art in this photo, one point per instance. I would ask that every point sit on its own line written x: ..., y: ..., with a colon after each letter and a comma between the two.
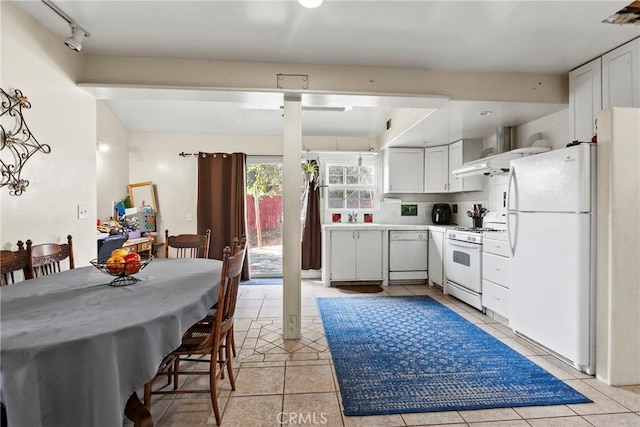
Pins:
x: 17, y: 143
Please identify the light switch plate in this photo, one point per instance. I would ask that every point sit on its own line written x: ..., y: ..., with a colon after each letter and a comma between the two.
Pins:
x: 82, y: 212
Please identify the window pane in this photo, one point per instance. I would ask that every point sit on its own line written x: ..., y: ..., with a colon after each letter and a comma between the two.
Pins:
x: 352, y: 180
x: 335, y: 179
x: 336, y: 199
x: 336, y: 175
x: 366, y: 175
x: 335, y: 170
x: 336, y: 203
x: 353, y: 204
x: 353, y: 199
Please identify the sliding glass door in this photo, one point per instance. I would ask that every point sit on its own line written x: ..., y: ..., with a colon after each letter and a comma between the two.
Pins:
x: 264, y: 215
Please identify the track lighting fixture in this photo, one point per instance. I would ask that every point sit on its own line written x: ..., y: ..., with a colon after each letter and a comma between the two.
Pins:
x: 77, y: 32
x: 75, y: 41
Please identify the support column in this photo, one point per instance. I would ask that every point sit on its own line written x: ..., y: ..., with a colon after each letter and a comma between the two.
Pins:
x: 292, y: 227
x: 618, y: 249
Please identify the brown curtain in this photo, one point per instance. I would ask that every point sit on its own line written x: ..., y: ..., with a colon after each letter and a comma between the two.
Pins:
x: 312, y: 232
x: 221, y: 200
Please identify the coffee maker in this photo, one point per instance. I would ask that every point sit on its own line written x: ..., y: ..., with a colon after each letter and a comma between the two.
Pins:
x: 441, y: 214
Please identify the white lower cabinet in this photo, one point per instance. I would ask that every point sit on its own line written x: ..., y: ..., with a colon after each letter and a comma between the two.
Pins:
x: 495, y: 298
x: 355, y: 255
x: 436, y: 258
x: 495, y: 276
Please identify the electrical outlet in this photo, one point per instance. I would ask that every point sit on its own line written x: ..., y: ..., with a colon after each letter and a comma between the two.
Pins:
x: 189, y: 217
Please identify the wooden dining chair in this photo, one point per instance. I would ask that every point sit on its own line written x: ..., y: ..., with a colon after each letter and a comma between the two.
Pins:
x: 208, y: 338
x: 110, y: 244
x: 12, y: 261
x: 238, y: 245
x: 46, y: 257
x: 187, y: 245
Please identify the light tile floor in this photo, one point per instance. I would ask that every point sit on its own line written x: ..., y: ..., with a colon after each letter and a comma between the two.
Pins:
x: 294, y: 383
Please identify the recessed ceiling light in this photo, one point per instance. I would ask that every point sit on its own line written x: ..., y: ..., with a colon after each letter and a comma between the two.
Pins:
x: 485, y: 113
x: 310, y: 3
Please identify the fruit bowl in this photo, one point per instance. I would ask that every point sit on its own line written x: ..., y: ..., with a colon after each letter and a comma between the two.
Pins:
x: 123, y: 271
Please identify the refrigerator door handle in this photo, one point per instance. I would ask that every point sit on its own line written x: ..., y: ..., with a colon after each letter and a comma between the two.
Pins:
x: 512, y: 181
x: 512, y: 242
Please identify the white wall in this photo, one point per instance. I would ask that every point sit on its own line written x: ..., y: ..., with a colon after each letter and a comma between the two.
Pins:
x: 553, y: 128
x: 154, y: 157
x: 113, y: 165
x: 37, y: 62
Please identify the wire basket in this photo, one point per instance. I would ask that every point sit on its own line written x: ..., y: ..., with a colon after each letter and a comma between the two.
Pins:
x: 122, y: 272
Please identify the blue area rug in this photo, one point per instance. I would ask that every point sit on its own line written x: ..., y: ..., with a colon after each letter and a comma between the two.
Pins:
x: 264, y: 281
x: 412, y: 354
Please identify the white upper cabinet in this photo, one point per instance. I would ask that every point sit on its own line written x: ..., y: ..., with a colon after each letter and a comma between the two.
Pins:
x: 404, y: 170
x: 460, y: 152
x: 621, y: 76
x: 585, y: 100
x: 436, y: 173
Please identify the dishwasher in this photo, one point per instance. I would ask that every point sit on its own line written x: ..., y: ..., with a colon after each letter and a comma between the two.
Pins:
x: 408, y: 256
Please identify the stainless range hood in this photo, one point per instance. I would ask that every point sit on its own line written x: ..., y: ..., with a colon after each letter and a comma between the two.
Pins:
x: 498, y: 163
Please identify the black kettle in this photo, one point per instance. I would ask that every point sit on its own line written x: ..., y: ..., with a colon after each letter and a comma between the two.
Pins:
x: 441, y: 214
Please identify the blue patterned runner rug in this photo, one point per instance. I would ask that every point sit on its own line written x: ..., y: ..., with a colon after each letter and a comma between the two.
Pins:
x: 412, y: 354
x: 262, y: 281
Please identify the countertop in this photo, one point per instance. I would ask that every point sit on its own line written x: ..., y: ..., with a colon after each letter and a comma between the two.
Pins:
x: 385, y: 227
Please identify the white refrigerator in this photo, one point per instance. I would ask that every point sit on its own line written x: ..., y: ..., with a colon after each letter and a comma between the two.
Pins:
x: 551, y: 230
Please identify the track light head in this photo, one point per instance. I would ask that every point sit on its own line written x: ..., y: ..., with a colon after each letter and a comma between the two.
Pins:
x: 75, y: 41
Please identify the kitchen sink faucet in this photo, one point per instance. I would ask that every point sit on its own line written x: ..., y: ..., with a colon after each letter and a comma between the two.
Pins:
x: 353, y: 217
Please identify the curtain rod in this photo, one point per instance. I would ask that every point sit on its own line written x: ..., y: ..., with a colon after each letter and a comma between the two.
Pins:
x: 183, y: 154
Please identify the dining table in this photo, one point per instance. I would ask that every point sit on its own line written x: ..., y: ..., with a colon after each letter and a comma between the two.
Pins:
x: 75, y: 349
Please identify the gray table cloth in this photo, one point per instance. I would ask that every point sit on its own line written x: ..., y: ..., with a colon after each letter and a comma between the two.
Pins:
x: 73, y: 348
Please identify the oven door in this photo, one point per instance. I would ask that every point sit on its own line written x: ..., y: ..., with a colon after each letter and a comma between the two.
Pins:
x: 463, y: 264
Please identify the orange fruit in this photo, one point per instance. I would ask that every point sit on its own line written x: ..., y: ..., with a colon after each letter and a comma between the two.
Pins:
x: 119, y: 252
x: 115, y: 265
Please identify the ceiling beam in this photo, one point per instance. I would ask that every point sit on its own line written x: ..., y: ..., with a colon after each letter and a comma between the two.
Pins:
x: 456, y: 85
